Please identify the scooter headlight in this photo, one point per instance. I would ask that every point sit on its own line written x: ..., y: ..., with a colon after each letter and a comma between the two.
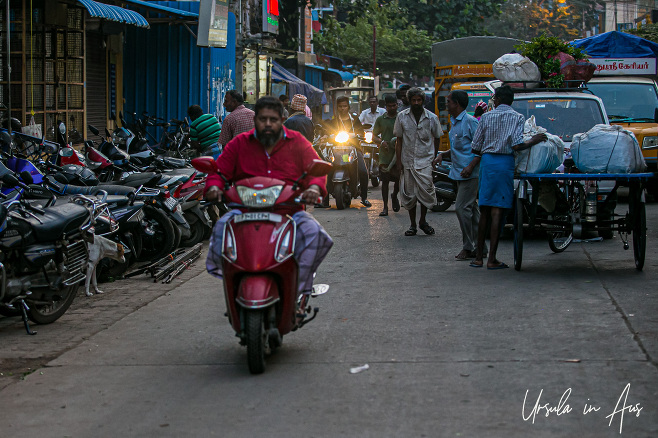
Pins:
x: 368, y: 137
x: 259, y: 198
x: 342, y: 137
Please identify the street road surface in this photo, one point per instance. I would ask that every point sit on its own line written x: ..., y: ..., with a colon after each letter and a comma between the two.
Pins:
x: 452, y: 351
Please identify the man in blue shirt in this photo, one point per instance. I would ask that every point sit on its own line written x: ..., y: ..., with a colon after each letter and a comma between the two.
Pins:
x: 465, y: 170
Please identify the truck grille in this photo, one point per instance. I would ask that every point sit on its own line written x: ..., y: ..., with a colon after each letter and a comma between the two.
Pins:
x: 76, y: 255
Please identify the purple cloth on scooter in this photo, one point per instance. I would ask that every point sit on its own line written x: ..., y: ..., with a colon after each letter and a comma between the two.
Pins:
x: 311, y: 247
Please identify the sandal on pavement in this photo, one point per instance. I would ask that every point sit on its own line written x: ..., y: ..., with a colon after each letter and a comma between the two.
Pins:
x: 411, y: 231
x: 384, y: 213
x: 366, y: 203
x: 473, y: 264
x: 465, y: 255
x: 426, y: 228
x: 501, y: 265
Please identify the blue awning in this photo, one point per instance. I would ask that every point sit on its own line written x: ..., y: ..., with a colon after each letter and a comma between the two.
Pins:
x: 346, y: 76
x: 165, y: 10
x: 314, y: 96
x: 113, y: 13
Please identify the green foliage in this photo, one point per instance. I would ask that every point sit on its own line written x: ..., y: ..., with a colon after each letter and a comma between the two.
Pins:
x: 401, y: 47
x: 448, y: 19
x: 541, y: 49
x: 648, y: 32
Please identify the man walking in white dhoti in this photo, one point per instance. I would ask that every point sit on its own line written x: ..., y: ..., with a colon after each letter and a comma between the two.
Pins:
x: 418, y: 131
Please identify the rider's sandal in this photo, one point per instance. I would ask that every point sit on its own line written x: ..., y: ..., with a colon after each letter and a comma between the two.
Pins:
x: 426, y: 228
x: 411, y: 231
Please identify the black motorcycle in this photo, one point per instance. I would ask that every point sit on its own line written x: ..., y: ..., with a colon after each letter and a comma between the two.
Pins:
x: 445, y: 188
x: 343, y: 182
x: 43, y: 254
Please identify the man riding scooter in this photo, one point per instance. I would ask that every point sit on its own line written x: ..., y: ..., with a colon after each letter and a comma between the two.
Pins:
x: 273, y: 151
x: 343, y: 121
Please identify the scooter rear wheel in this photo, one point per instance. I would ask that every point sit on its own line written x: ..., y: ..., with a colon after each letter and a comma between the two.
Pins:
x: 256, y: 339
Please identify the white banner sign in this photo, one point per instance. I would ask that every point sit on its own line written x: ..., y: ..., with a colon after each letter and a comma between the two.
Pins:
x: 624, y: 66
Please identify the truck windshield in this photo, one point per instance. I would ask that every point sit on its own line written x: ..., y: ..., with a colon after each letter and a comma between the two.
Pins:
x: 627, y: 101
x: 563, y: 117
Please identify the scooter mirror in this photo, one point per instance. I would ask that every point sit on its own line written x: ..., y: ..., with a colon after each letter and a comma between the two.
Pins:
x: 206, y: 165
x: 66, y: 152
x: 93, y: 129
x: 5, y: 139
x: 10, y: 180
x: 317, y: 168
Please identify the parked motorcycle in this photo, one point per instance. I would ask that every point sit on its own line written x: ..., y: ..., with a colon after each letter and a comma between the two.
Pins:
x: 260, y: 272
x: 445, y: 188
x: 44, y: 255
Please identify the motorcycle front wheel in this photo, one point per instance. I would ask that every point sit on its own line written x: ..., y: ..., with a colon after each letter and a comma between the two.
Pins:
x: 339, y: 195
x: 48, y: 313
x: 441, y: 205
x: 256, y: 339
x: 160, y: 239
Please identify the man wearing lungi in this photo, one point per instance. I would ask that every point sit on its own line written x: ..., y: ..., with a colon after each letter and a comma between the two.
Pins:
x: 417, y: 131
x: 498, y: 136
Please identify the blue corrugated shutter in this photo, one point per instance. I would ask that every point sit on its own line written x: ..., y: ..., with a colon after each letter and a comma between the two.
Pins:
x: 165, y: 72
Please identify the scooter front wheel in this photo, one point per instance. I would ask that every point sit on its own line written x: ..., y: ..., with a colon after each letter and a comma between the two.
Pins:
x: 256, y: 340
x: 339, y: 195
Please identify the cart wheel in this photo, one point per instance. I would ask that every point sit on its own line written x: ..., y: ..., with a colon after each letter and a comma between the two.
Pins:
x: 559, y: 240
x: 518, y: 233
x: 639, y: 235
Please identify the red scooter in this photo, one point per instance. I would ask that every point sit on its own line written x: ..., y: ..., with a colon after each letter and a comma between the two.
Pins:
x: 259, y: 270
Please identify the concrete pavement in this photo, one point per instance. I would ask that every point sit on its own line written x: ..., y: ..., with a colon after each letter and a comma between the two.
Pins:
x: 452, y: 350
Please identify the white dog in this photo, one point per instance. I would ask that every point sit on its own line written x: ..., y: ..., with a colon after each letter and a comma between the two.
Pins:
x: 98, y: 250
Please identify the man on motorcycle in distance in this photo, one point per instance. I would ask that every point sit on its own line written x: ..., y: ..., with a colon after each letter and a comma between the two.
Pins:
x: 273, y: 151
x: 344, y: 121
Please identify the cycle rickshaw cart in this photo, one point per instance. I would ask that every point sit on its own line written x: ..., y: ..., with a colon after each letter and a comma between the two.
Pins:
x: 580, y: 210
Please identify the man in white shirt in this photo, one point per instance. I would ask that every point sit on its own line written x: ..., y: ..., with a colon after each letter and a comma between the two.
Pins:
x: 369, y: 115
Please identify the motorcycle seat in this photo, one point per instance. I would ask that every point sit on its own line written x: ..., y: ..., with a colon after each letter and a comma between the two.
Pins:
x: 148, y: 179
x: 95, y: 190
x: 58, y: 220
x: 117, y: 200
x: 174, y: 162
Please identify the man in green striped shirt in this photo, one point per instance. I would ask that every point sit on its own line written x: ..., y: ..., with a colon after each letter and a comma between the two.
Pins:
x: 204, y: 131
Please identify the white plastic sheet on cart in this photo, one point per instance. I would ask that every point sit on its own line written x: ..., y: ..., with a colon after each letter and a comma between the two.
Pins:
x: 607, y: 149
x: 543, y: 157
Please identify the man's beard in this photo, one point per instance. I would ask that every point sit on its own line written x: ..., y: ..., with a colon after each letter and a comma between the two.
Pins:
x: 417, y: 109
x: 268, y: 137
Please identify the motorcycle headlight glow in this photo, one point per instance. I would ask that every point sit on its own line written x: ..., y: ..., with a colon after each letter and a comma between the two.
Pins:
x: 368, y: 137
x: 259, y: 198
x: 650, y: 142
x: 342, y: 137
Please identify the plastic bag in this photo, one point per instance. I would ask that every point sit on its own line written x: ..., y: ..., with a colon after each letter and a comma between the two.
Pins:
x: 514, y: 67
x: 543, y: 157
x: 32, y: 129
x: 607, y: 149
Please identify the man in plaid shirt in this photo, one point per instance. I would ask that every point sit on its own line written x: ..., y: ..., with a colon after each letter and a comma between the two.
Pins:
x: 240, y: 120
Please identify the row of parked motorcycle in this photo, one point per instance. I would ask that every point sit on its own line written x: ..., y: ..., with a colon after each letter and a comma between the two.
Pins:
x: 55, y: 199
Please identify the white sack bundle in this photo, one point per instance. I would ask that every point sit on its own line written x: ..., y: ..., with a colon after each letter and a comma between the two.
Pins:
x: 543, y: 157
x: 514, y: 67
x: 607, y: 149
